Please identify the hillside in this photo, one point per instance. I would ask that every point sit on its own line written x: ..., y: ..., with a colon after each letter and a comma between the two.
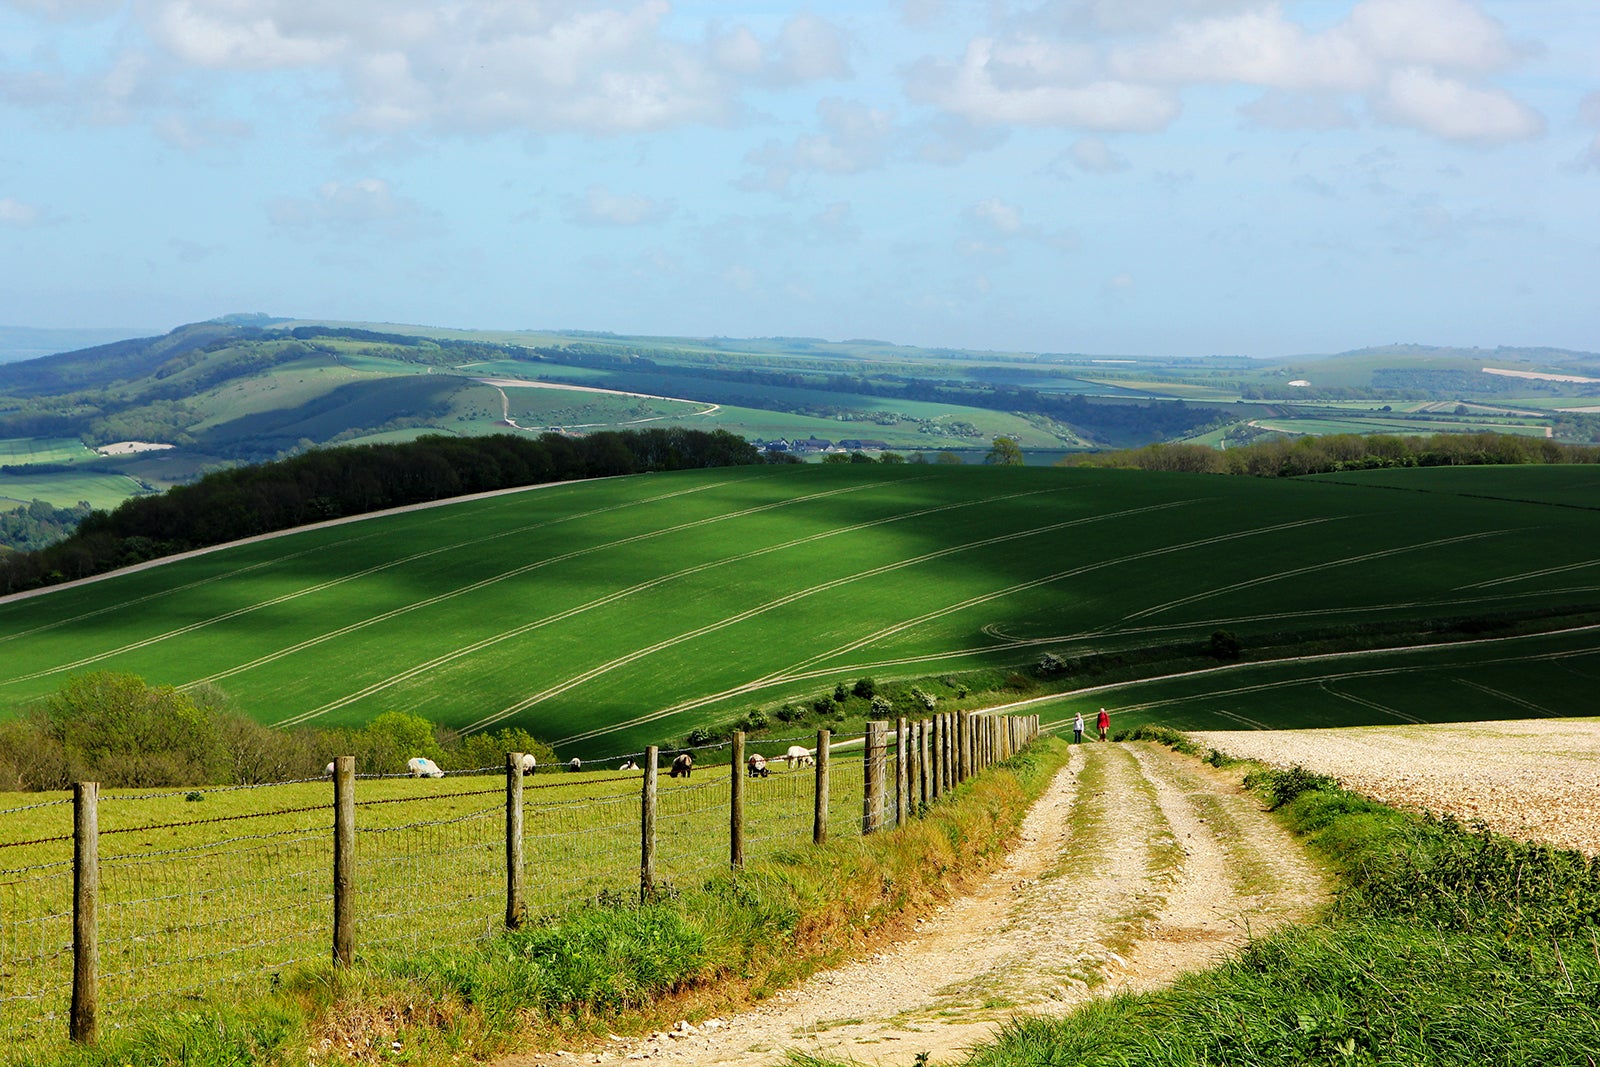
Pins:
x: 608, y: 614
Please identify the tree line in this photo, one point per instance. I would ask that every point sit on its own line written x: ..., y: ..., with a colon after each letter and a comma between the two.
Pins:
x: 353, y: 480
x: 1279, y: 458
x: 121, y: 732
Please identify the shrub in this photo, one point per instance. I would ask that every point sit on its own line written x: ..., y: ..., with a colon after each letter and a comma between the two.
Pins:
x: 1176, y: 740
x: 865, y: 688
x: 1224, y: 645
x: 926, y: 699
x: 841, y: 693
x: 1280, y: 786
x: 1050, y: 665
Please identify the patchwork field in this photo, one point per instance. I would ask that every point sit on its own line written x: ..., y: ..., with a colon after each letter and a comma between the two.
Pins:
x: 610, y: 614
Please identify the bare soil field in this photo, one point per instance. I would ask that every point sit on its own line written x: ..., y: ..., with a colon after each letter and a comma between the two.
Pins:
x: 1537, y: 779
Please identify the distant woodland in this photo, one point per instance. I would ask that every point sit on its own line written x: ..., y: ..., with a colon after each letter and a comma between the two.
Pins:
x: 1280, y: 458
x: 336, y: 482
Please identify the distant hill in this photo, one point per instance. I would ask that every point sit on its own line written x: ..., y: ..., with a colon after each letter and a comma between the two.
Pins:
x: 1501, y: 354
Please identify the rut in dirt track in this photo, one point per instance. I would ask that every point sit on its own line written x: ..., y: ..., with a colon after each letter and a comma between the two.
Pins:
x: 1135, y: 865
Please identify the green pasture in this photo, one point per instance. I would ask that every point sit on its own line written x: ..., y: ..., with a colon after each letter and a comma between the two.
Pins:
x: 227, y: 888
x: 289, y: 385
x: 26, y: 451
x: 1403, y: 424
x: 606, y: 615
x: 65, y: 488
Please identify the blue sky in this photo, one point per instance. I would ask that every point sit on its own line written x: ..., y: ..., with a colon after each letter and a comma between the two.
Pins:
x: 1115, y: 176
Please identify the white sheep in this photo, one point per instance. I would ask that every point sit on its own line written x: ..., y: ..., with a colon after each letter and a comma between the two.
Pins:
x: 328, y: 771
x: 758, y: 765
x: 798, y: 756
x: 528, y: 763
x: 423, y: 767
x: 628, y: 765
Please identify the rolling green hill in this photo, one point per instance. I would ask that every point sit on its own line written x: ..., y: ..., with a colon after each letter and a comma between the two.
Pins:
x: 607, y: 614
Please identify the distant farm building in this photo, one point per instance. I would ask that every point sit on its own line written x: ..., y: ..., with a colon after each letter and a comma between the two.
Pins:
x: 1299, y: 383
x: 858, y: 446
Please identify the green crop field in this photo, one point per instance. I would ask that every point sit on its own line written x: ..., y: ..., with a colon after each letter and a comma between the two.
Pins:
x: 25, y: 451
x: 65, y: 488
x: 606, y: 615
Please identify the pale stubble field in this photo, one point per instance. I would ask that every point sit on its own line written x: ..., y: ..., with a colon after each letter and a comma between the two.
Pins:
x: 1537, y: 779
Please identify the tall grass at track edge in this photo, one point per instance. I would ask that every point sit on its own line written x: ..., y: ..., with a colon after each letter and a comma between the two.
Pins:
x: 610, y: 964
x: 1446, y: 944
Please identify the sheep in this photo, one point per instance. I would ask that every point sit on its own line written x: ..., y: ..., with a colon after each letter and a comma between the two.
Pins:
x: 328, y: 771
x: 575, y: 764
x: 423, y: 767
x: 628, y: 765
x: 529, y: 764
x: 758, y: 765
x: 798, y: 756
x: 682, y: 767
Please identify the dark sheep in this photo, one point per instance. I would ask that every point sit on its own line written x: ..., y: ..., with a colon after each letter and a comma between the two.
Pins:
x: 575, y: 764
x: 682, y: 766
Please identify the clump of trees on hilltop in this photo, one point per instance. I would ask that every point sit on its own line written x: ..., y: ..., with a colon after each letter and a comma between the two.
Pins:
x: 1281, y: 458
x: 335, y: 482
x: 117, y: 730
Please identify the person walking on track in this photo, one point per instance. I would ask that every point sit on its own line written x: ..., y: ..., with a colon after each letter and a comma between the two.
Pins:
x: 1104, y: 724
x: 1077, y: 729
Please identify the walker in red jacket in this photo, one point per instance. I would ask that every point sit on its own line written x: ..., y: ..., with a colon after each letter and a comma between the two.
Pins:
x: 1103, y: 723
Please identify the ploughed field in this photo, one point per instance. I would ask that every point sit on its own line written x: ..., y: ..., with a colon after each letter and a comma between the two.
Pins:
x: 610, y: 614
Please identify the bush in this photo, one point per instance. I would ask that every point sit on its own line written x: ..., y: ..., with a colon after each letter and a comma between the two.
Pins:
x: 790, y: 713
x: 1050, y: 665
x: 1224, y: 645
x: 841, y: 693
x: 1281, y: 787
x: 926, y: 699
x: 486, y: 750
x: 115, y: 729
x: 865, y: 688
x: 1176, y: 740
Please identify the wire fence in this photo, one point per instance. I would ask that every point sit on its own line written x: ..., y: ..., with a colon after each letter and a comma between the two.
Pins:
x: 192, y: 893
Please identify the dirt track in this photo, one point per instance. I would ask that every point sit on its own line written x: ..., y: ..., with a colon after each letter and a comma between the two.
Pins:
x: 1134, y: 866
x: 1531, y: 778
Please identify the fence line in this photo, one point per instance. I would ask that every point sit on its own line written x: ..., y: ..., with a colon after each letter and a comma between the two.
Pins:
x: 159, y: 906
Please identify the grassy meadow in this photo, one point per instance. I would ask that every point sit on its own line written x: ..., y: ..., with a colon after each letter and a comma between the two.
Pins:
x: 606, y: 615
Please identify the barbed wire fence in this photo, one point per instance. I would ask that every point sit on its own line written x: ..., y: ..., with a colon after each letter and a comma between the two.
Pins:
x: 113, y: 904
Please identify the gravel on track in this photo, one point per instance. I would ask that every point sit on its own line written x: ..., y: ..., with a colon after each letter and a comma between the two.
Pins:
x: 1134, y: 866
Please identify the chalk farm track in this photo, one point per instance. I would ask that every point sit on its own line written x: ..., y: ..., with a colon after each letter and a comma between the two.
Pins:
x: 606, y: 615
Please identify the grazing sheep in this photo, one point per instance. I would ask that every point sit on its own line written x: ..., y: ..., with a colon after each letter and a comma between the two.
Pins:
x: 798, y: 756
x: 628, y: 765
x: 575, y: 764
x: 682, y: 766
x: 328, y: 771
x: 758, y: 765
x: 528, y: 763
x: 423, y: 767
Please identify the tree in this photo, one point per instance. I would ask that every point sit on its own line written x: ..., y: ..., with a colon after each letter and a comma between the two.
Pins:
x: 115, y: 729
x: 1005, y: 452
x: 949, y: 459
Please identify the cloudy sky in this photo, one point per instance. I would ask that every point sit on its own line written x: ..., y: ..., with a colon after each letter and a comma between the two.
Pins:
x: 1116, y: 176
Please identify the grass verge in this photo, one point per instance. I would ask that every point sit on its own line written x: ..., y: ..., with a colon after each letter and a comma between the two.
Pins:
x: 1446, y: 945
x: 609, y: 964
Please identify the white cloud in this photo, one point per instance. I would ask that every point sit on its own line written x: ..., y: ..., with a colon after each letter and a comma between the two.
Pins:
x: 1122, y: 65
x: 1455, y: 111
x: 347, y: 207
x: 1279, y: 110
x: 1019, y: 87
x: 15, y: 212
x: 601, y: 207
x: 1005, y: 219
x: 1093, y: 156
x: 999, y: 222
x: 852, y: 137
x: 1447, y: 34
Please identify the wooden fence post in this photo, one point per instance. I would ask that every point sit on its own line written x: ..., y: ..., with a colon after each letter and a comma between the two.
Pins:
x: 819, y: 816
x: 872, y: 777
x: 85, y: 1021
x: 516, y: 905
x: 344, y: 860
x: 902, y: 773
x: 947, y: 752
x: 647, y: 825
x: 924, y: 766
x: 963, y: 747
x: 936, y: 758
x: 736, y: 804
